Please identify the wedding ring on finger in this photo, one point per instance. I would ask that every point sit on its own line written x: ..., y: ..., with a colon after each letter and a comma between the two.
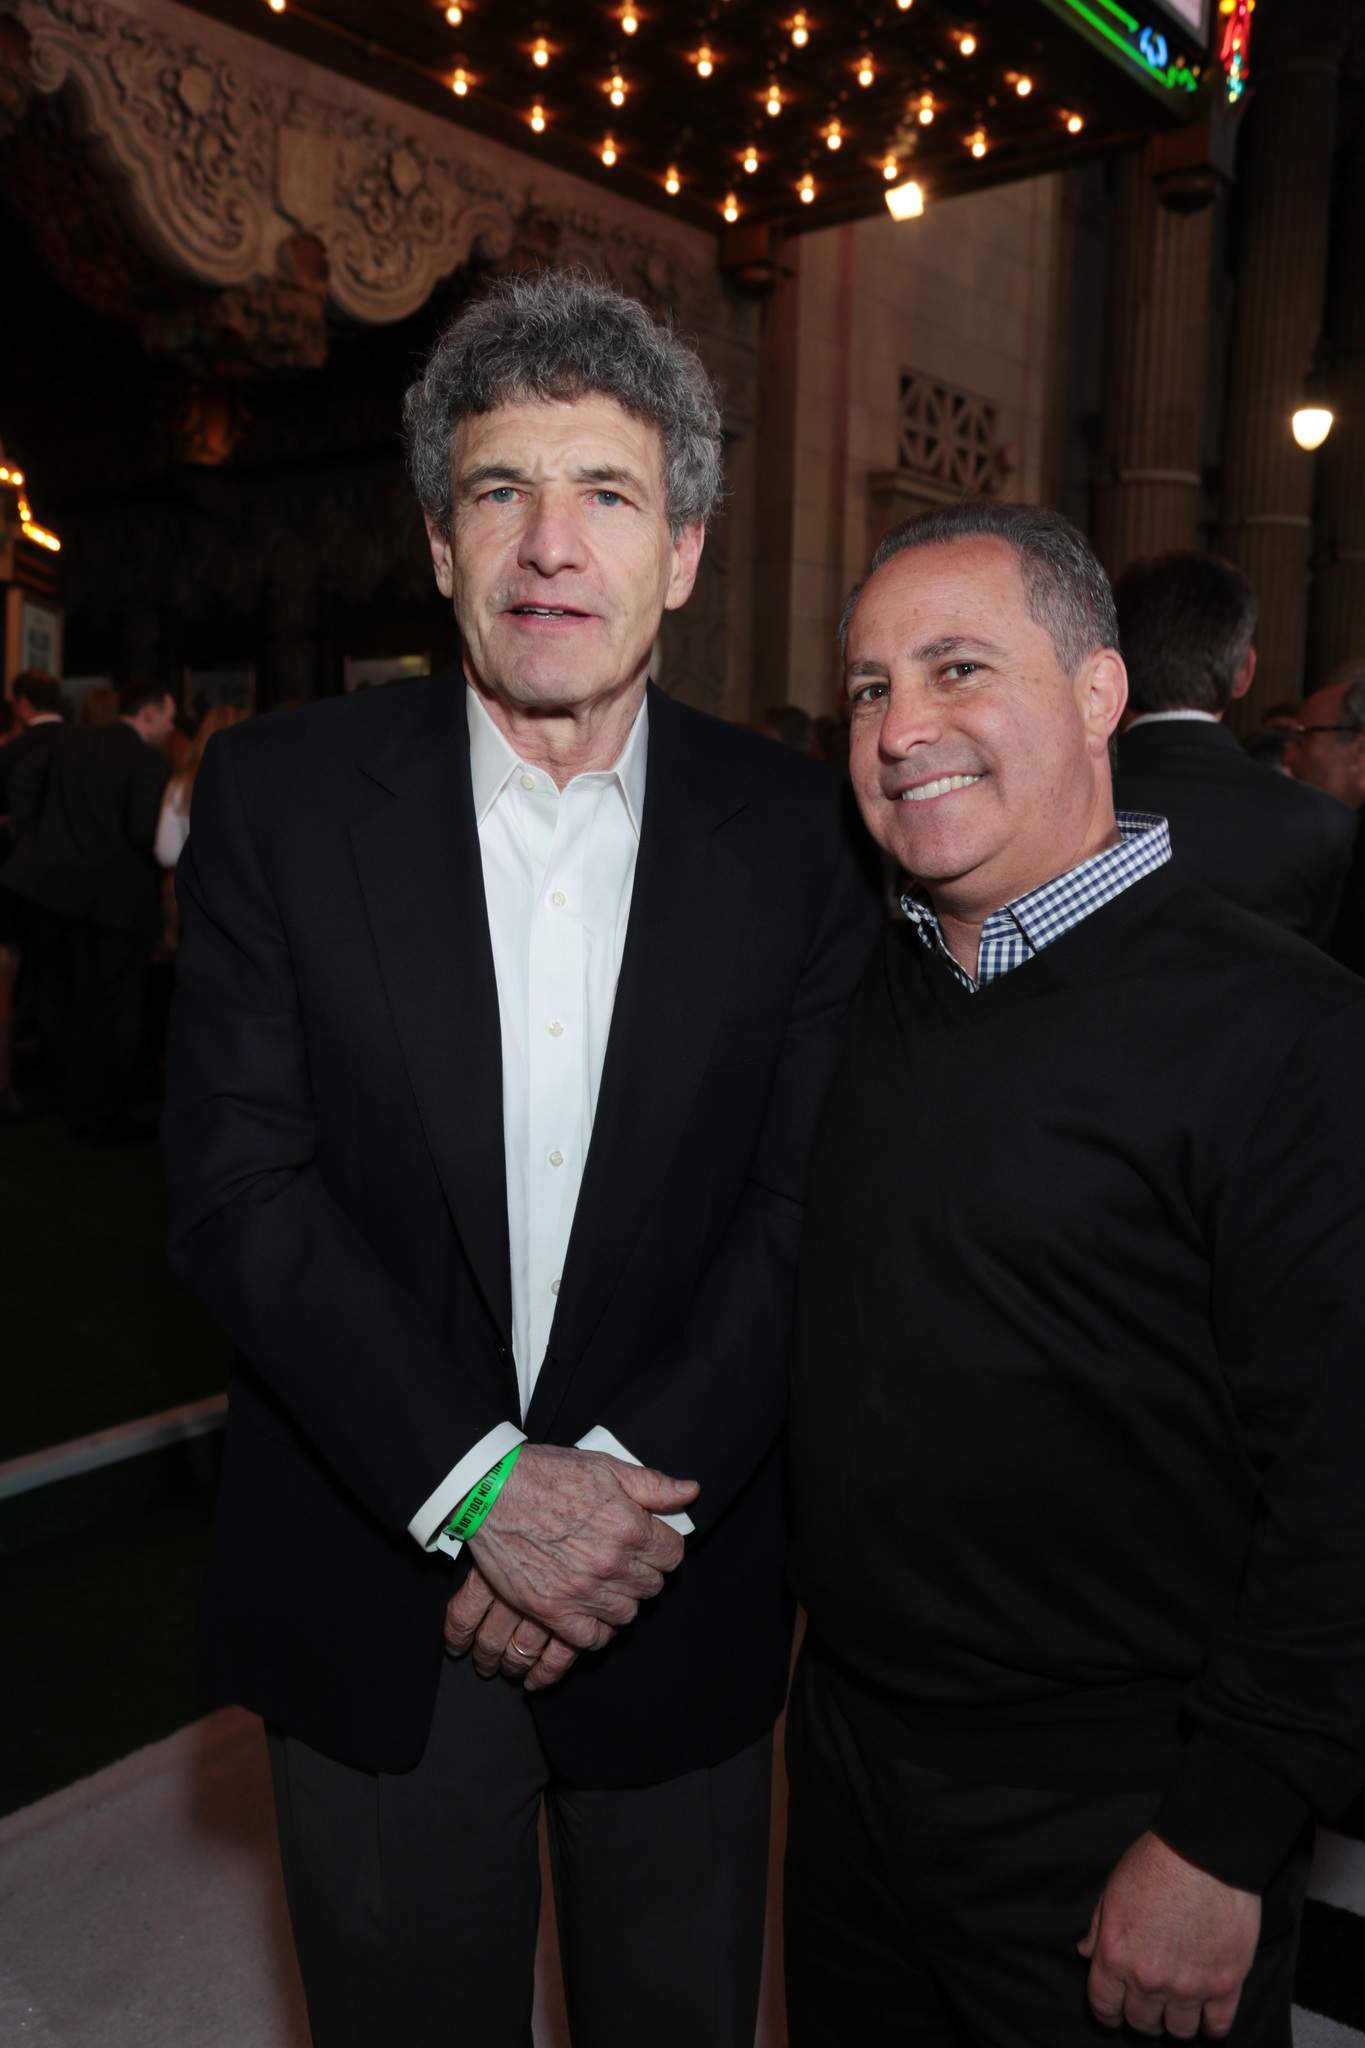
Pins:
x: 513, y: 1644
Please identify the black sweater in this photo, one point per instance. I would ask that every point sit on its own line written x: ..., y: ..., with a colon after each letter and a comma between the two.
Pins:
x: 1078, y: 1403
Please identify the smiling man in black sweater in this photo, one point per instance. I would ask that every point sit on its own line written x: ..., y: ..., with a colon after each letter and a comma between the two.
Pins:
x: 1078, y: 1404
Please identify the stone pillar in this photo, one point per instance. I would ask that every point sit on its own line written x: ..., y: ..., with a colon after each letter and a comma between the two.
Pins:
x: 1336, y: 615
x: 1285, y: 175
x: 1156, y: 349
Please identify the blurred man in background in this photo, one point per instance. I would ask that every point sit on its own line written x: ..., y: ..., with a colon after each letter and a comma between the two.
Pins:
x: 1186, y: 627
x: 1328, y: 753
x: 30, y: 938
x: 88, y: 861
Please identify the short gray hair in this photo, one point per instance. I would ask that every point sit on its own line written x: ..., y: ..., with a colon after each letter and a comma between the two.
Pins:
x: 1066, y: 590
x: 556, y: 335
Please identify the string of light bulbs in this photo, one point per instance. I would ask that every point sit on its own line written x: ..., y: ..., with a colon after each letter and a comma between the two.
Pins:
x: 799, y: 28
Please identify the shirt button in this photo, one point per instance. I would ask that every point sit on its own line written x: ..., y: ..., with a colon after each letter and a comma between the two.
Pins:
x: 528, y: 781
x: 556, y: 1157
x: 558, y: 899
x: 556, y: 1028
x: 554, y: 1287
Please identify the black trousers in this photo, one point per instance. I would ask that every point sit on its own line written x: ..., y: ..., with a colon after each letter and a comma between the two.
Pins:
x: 415, y: 1899
x: 108, y: 988
x: 921, y: 1910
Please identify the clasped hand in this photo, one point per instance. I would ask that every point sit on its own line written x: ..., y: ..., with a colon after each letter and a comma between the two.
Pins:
x: 562, y: 1560
x: 1169, y: 1945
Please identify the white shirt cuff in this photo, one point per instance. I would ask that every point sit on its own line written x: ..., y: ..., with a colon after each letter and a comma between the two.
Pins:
x: 428, y: 1524
x: 600, y: 1439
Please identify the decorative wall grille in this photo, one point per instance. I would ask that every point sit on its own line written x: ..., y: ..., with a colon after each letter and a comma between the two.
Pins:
x: 947, y: 434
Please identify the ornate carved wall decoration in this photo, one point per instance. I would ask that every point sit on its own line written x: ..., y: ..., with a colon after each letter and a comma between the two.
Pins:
x: 224, y: 165
x: 946, y: 434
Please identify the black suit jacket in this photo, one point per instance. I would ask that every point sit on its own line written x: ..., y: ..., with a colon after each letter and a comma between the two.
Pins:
x: 1348, y: 933
x: 334, y: 1150
x: 23, y: 773
x: 87, y: 851
x: 1251, y: 835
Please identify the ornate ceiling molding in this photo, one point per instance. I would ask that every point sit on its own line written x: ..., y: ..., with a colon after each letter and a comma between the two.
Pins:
x: 223, y: 167
x: 233, y: 157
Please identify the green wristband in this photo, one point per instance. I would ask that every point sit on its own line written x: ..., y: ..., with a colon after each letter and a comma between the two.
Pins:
x: 476, y: 1503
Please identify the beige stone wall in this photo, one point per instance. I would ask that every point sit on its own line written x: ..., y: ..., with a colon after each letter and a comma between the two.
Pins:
x: 969, y: 293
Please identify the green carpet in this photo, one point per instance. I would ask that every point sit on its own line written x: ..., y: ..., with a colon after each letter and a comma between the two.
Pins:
x: 95, y: 1329
x: 96, y: 1645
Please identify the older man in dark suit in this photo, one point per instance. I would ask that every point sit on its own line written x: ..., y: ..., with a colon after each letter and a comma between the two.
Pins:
x: 1186, y: 625
x: 508, y: 1002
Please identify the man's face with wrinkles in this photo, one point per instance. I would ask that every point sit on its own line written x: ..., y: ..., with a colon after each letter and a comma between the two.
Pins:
x: 559, y: 558
x: 976, y: 759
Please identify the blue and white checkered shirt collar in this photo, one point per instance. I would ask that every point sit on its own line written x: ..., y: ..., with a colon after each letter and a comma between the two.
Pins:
x: 1013, y: 935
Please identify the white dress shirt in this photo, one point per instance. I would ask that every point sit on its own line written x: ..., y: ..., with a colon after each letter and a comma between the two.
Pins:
x: 558, y: 872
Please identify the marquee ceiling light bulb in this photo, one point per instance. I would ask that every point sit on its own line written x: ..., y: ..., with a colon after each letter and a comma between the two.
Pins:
x: 977, y: 139
x: 905, y: 5
x: 1312, y: 424
x: 630, y: 21
x: 540, y: 52
x: 459, y: 84
x: 1024, y: 87
x: 731, y: 207
x: 865, y: 72
x: 673, y: 183
x: 617, y: 90
x: 275, y: 6
x: 538, y: 119
x: 807, y: 189
x: 800, y: 31
x: 609, y: 151
x: 834, y: 135
x: 905, y: 202
x: 751, y: 159
x: 926, y: 110
x: 891, y: 169
x: 11, y: 476
x: 1074, y: 124
x: 454, y: 15
x: 967, y: 45
x: 774, y: 101
x: 705, y: 64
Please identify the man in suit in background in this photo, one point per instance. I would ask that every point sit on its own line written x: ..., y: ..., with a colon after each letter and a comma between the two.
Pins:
x: 1327, y: 752
x: 1186, y: 625
x: 508, y: 1000
x: 87, y: 859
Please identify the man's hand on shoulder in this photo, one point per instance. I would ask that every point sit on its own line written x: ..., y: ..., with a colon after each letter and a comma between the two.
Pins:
x: 569, y: 1549
x: 1169, y: 1945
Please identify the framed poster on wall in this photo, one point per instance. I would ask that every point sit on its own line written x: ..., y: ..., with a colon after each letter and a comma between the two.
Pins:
x: 33, y: 634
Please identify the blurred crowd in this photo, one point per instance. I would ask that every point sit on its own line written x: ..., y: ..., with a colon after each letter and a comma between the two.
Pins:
x: 95, y: 812
x: 94, y: 815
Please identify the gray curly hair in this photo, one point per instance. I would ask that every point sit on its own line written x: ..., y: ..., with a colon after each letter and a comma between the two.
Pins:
x: 560, y: 334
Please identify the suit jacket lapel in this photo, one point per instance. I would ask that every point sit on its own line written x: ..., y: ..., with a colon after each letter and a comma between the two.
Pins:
x: 686, y: 911
x: 422, y: 879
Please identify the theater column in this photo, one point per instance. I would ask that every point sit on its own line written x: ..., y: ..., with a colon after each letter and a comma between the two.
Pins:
x: 1284, y: 177
x: 1336, y: 611
x: 1156, y: 349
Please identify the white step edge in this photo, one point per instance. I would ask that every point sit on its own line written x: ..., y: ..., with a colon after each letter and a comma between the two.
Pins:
x: 110, y: 1446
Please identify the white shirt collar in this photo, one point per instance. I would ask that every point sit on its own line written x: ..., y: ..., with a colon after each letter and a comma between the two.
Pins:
x: 493, y: 761
x: 1165, y: 717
